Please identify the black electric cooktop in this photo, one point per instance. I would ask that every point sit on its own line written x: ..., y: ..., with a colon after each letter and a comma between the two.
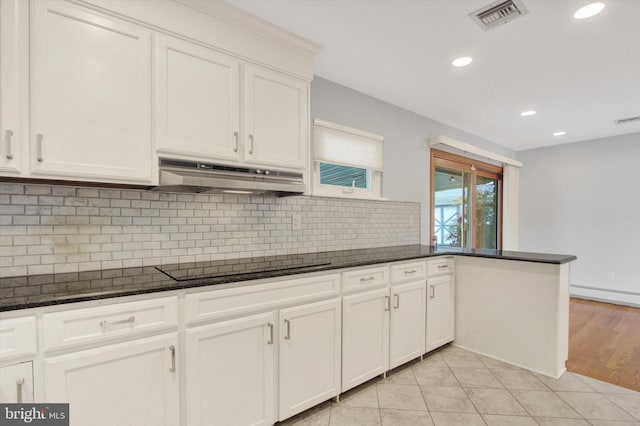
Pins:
x: 231, y: 267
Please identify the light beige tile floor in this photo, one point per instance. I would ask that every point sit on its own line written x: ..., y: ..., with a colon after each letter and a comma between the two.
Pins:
x: 455, y: 387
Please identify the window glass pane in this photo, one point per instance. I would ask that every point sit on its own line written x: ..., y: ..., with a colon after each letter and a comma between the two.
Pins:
x: 451, y: 196
x: 486, y: 213
x: 335, y: 174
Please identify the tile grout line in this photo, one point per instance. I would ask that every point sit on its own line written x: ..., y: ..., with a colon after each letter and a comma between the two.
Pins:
x: 618, y: 405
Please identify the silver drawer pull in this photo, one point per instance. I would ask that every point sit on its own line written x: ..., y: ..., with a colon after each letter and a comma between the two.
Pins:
x: 19, y: 384
x: 387, y: 302
x: 396, y: 303
x: 129, y: 320
x: 251, y: 145
x: 287, y: 336
x: 172, y: 369
x: 364, y: 280
x: 433, y: 292
x: 443, y: 266
x: 235, y: 135
x: 270, y: 341
x: 39, y: 148
x: 7, y: 135
x: 413, y: 271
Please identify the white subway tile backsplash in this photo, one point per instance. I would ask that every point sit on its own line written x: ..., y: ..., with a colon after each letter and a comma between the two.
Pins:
x: 45, y: 229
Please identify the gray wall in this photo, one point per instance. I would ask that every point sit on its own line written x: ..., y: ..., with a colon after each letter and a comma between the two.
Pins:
x: 583, y: 199
x: 406, y: 154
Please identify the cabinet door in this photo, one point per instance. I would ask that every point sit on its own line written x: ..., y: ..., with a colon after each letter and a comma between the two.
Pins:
x: 12, y: 79
x: 131, y: 383
x: 407, y: 336
x: 16, y: 383
x: 275, y: 118
x: 365, y: 337
x: 440, y: 311
x: 91, y: 95
x: 309, y: 356
x: 198, y: 101
x: 231, y: 372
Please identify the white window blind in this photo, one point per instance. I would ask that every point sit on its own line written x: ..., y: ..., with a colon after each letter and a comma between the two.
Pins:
x: 337, y: 144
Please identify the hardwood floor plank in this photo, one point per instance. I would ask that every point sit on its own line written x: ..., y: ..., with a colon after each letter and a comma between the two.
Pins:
x: 604, y: 342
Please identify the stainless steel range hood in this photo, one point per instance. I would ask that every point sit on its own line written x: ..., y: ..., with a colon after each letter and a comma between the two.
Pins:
x: 192, y: 176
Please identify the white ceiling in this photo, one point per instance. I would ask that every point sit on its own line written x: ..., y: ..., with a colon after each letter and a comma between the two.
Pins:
x: 578, y: 75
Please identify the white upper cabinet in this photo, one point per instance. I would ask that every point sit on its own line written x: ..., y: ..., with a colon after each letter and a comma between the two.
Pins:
x: 276, y: 118
x: 197, y: 101
x: 12, y: 78
x: 90, y: 95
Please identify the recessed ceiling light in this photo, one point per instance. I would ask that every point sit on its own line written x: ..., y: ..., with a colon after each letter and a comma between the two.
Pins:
x: 588, y: 11
x: 527, y: 113
x: 559, y: 133
x: 462, y: 62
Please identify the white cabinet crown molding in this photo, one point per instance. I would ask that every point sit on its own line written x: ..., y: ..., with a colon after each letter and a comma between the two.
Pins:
x: 218, y: 25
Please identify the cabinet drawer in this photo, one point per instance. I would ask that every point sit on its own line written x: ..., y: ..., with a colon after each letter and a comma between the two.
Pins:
x: 440, y: 266
x: 105, y: 323
x: 408, y: 271
x: 247, y: 299
x: 365, y: 279
x: 17, y: 338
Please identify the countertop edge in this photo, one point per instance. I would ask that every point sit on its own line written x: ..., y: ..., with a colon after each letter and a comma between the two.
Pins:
x: 184, y: 285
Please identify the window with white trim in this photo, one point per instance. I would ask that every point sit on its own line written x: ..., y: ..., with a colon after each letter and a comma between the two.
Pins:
x: 347, y: 162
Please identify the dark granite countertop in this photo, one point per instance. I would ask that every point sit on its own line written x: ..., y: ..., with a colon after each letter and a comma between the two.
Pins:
x: 54, y: 289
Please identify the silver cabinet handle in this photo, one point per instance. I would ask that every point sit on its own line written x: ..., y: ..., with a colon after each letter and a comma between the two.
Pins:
x: 396, y: 303
x: 39, y: 148
x: 104, y: 324
x: 235, y: 135
x: 7, y: 136
x: 270, y: 341
x: 441, y: 267
x: 251, y: 144
x: 172, y: 369
x: 287, y: 336
x: 19, y: 384
x: 433, y: 292
x: 387, y: 302
x: 413, y: 271
x: 364, y: 280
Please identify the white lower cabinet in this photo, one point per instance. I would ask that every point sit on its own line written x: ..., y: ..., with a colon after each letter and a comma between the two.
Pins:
x: 16, y: 383
x: 230, y: 372
x: 365, y: 336
x: 407, y: 335
x: 440, y: 311
x: 130, y: 383
x: 309, y: 355
x: 385, y: 327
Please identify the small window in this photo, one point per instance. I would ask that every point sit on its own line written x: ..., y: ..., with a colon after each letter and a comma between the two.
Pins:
x: 347, y: 162
x: 351, y: 177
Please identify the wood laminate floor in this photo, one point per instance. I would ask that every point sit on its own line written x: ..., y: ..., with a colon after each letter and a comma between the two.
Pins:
x: 604, y: 342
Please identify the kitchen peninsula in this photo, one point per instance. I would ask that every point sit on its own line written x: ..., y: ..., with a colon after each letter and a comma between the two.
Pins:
x: 329, y: 320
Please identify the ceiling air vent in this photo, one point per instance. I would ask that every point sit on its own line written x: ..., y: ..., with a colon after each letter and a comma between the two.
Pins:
x: 628, y: 120
x: 498, y: 13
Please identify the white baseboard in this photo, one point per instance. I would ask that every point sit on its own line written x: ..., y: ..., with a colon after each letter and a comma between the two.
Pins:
x: 618, y: 298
